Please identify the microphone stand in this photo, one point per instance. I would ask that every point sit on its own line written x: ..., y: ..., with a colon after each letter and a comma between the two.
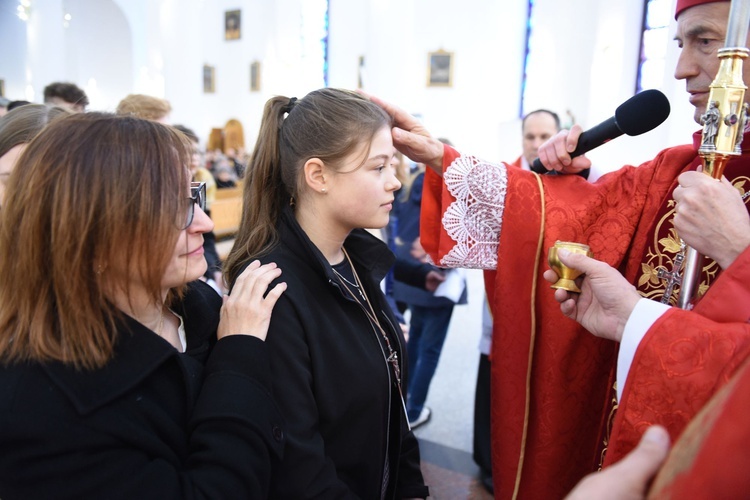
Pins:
x: 723, y: 128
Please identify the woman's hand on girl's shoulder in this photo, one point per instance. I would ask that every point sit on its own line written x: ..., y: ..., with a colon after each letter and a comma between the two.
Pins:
x: 247, y: 311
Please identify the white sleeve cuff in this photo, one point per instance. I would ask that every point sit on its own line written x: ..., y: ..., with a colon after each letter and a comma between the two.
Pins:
x: 644, y: 315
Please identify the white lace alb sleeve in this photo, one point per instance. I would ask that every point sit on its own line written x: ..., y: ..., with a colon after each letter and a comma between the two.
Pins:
x: 474, y: 220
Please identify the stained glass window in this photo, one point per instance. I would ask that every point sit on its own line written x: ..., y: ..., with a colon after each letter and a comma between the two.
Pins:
x: 524, y: 74
x: 315, y: 39
x: 654, y: 42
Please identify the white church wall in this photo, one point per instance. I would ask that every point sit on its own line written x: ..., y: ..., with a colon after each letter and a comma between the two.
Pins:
x: 13, y: 64
x: 589, y: 57
x: 395, y: 38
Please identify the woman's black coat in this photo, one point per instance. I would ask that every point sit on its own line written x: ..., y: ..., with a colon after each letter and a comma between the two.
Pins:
x: 153, y: 423
x: 341, y: 406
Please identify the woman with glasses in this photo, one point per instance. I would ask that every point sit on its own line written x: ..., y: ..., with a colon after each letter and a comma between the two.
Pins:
x: 121, y: 375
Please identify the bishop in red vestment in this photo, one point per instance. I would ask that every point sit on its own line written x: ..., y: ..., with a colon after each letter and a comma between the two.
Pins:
x: 553, y: 382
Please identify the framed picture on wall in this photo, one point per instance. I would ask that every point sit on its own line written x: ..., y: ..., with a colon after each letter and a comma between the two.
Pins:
x: 255, y: 76
x: 440, y: 69
x: 209, y: 79
x: 232, y: 25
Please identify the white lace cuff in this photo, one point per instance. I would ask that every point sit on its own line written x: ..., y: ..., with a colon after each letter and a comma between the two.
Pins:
x: 474, y: 220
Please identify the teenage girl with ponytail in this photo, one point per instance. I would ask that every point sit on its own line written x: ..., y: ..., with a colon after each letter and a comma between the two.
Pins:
x: 321, y: 171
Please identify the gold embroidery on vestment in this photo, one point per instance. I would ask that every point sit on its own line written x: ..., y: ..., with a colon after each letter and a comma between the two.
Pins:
x: 610, y: 421
x: 662, y: 251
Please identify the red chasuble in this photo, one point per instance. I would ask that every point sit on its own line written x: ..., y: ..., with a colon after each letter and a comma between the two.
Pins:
x: 552, y: 382
x: 711, y: 460
x: 684, y: 359
x: 686, y: 356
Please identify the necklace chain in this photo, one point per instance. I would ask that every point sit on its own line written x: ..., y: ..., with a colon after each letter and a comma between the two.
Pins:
x: 392, y: 359
x: 392, y: 355
x: 349, y: 283
x: 355, y: 285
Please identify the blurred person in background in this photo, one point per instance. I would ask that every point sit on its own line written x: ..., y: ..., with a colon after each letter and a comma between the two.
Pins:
x: 66, y: 95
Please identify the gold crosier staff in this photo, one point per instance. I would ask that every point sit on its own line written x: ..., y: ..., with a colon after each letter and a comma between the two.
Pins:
x: 723, y: 126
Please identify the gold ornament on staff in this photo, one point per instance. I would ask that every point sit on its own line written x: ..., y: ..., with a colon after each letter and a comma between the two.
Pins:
x: 567, y: 274
x: 723, y: 127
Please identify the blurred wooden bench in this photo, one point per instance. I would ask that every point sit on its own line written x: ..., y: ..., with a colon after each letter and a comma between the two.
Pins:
x: 233, y: 192
x: 226, y: 214
x: 223, y: 248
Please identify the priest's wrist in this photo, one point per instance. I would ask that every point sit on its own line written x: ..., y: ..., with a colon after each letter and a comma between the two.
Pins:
x: 731, y: 254
x: 436, y: 163
x: 630, y: 300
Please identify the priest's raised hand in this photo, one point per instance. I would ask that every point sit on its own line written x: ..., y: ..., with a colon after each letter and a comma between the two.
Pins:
x: 555, y: 152
x: 411, y: 137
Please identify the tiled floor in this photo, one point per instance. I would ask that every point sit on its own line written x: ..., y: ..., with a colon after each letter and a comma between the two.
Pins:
x: 450, y: 473
x: 446, y: 484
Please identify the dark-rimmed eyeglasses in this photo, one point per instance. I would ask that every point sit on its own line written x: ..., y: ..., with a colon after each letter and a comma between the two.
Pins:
x: 197, y: 197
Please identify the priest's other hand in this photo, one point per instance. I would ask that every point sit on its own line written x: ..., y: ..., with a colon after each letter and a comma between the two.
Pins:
x: 555, y: 152
x: 411, y: 137
x: 628, y: 478
x: 711, y: 217
x: 606, y: 299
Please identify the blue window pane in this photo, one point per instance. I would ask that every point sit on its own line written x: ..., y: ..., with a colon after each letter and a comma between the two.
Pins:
x: 314, y: 42
x: 654, y: 43
x: 527, y: 56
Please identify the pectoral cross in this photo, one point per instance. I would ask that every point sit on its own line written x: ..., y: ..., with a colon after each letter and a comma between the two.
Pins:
x: 673, y: 277
x: 393, y: 360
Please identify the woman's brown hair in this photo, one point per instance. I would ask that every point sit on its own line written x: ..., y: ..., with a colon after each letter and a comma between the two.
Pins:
x: 328, y: 124
x: 95, y: 203
x: 22, y: 124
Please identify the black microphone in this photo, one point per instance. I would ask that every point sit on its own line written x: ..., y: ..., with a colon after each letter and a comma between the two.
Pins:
x: 643, y: 112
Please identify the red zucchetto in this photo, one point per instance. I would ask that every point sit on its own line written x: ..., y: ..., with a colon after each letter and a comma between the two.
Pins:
x: 686, y: 4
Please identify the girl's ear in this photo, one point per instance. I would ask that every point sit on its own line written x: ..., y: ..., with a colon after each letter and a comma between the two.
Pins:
x: 315, y: 175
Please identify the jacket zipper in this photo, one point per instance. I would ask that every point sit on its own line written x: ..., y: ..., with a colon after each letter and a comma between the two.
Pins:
x: 400, y: 348
x: 390, y: 381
